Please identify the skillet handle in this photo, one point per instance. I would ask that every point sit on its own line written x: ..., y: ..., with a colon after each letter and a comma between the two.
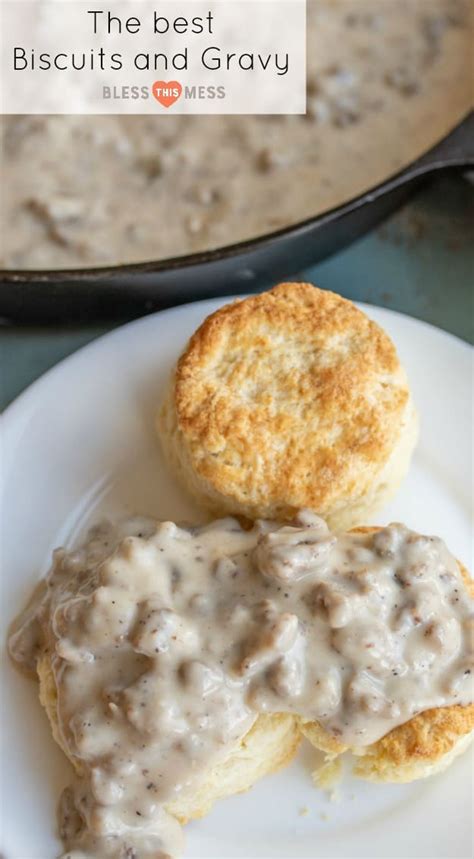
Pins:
x: 455, y: 150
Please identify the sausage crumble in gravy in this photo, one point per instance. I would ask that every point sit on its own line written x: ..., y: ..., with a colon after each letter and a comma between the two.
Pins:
x: 386, y: 80
x: 166, y: 642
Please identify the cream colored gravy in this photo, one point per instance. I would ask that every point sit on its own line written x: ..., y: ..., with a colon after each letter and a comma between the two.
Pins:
x: 386, y: 80
x: 166, y: 643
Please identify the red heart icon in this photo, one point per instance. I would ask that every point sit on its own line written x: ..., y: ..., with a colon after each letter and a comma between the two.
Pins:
x: 167, y: 92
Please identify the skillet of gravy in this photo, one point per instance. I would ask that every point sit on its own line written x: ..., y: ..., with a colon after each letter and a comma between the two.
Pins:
x: 386, y: 80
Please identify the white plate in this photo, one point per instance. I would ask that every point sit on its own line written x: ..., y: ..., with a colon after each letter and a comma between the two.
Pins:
x: 80, y: 443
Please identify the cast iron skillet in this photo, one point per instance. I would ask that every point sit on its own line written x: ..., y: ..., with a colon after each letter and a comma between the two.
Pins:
x: 128, y: 290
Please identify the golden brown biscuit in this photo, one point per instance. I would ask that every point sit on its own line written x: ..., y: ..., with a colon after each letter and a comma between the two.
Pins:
x: 422, y: 747
x: 289, y: 399
x: 426, y: 744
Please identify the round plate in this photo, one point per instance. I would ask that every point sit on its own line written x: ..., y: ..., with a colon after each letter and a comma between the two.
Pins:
x: 80, y: 443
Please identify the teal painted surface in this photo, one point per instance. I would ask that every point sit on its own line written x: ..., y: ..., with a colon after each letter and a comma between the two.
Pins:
x: 420, y: 262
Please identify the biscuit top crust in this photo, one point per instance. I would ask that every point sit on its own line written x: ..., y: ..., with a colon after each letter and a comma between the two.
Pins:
x: 292, y: 394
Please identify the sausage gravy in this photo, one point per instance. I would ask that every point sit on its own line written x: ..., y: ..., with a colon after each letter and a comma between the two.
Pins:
x: 386, y: 80
x: 166, y: 642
